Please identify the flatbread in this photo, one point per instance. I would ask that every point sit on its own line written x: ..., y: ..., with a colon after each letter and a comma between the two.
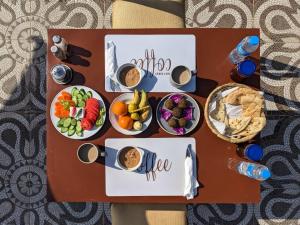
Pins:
x: 238, y: 124
x: 251, y: 98
x: 234, y: 98
x: 252, y: 110
x: 255, y: 126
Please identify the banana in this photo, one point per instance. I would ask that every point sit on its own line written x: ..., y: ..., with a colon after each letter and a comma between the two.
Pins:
x: 136, y: 97
x: 141, y: 109
x: 131, y: 107
x: 144, y: 99
x: 144, y: 116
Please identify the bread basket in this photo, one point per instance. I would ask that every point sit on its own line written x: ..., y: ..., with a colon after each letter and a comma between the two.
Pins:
x: 209, y: 123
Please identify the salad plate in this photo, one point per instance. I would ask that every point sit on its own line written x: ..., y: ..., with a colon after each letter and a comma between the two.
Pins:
x: 77, y: 112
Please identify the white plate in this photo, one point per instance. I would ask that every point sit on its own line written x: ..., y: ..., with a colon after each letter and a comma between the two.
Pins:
x: 127, y: 97
x: 86, y: 133
x: 191, y: 125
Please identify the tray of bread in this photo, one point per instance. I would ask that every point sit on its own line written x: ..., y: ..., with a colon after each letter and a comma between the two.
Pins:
x: 235, y: 112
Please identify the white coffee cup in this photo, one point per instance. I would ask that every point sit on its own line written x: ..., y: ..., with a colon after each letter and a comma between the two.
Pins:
x: 140, y: 151
x: 175, y: 81
x: 121, y: 68
x: 88, y: 153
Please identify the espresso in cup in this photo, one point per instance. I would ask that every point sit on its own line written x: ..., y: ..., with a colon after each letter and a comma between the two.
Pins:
x: 130, y: 158
x: 88, y: 153
x: 180, y: 76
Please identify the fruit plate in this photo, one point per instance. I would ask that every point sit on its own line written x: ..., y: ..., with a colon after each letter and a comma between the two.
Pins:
x: 191, y: 124
x: 127, y: 97
x: 86, y: 133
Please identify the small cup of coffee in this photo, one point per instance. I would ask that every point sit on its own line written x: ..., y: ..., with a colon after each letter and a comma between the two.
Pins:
x: 129, y: 75
x: 88, y: 153
x: 130, y: 158
x: 180, y: 76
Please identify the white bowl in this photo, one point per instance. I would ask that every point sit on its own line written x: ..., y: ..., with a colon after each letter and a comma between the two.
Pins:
x: 133, y: 168
x: 118, y: 72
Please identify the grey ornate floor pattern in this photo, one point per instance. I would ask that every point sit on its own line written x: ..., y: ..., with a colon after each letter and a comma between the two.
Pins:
x: 23, y: 185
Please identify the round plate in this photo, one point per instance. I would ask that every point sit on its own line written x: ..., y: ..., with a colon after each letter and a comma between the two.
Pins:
x: 190, y: 125
x: 127, y: 97
x: 86, y: 133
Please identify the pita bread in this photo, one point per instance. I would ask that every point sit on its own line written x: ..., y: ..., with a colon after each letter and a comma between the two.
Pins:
x: 238, y: 124
x: 234, y: 98
x: 255, y: 126
x: 251, y: 109
x: 251, y: 98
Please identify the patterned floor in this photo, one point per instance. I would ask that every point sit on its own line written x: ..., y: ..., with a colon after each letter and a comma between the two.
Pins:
x: 23, y: 185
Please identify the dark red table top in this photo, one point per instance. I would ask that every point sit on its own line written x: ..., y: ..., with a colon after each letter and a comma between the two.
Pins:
x: 70, y: 180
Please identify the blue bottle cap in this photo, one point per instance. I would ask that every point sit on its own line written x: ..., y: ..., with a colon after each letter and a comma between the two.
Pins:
x: 265, y: 174
x: 253, y: 40
x: 254, y: 152
x: 246, y: 68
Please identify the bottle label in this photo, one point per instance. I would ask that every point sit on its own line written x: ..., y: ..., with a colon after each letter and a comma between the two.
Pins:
x: 246, y: 169
x: 241, y: 51
x: 250, y: 170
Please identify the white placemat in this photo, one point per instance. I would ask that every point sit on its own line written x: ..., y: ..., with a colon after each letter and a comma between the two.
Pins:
x: 152, y: 183
x: 157, y: 55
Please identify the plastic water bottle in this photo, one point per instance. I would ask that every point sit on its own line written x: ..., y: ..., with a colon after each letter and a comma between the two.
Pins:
x: 252, y: 170
x: 247, y: 46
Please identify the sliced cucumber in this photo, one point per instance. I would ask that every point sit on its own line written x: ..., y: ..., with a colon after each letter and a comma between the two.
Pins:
x: 79, y: 133
x: 81, y: 103
x: 73, y: 122
x: 79, y: 96
x: 85, y: 97
x: 59, y: 123
x: 63, y: 129
x: 76, y: 92
x: 74, y: 99
x: 102, y: 111
x: 89, y: 94
x: 74, y: 89
x: 71, y: 127
x: 78, y: 126
x: 71, y: 132
x: 82, y: 92
x: 67, y: 122
x: 99, y: 122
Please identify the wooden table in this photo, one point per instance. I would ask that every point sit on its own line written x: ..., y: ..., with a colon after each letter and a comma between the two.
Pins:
x: 70, y: 180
